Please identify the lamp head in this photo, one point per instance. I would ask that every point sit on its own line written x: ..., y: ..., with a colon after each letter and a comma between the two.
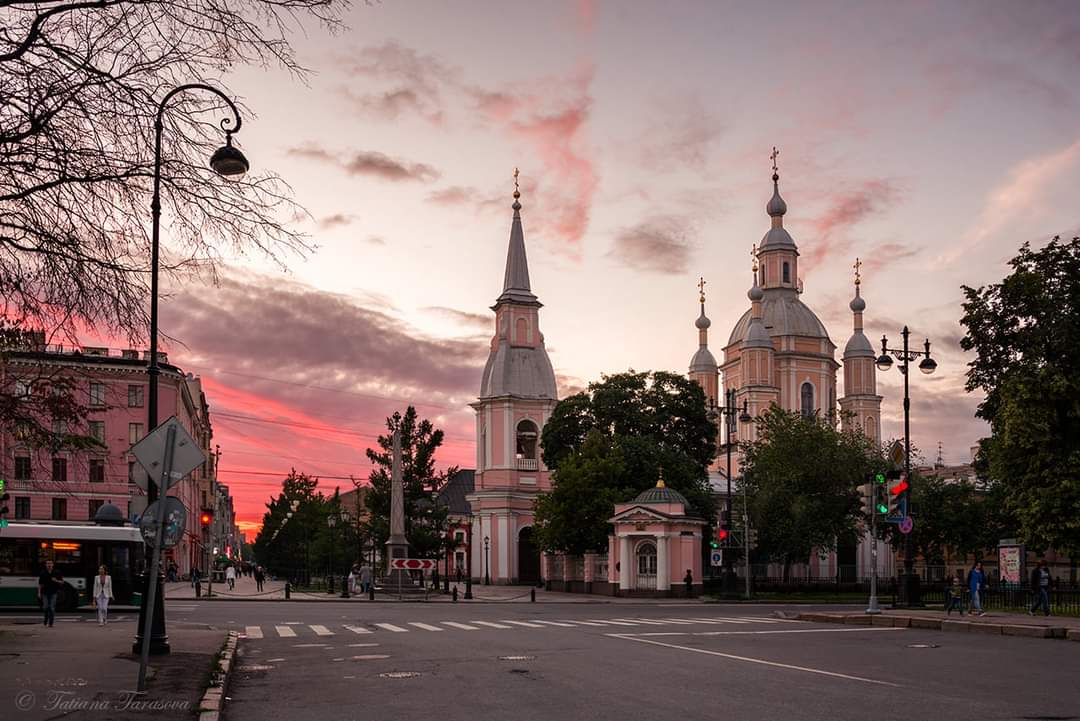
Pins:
x: 228, y: 160
x: 884, y: 362
x: 928, y: 365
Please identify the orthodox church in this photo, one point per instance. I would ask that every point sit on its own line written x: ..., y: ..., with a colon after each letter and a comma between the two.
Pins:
x: 779, y: 352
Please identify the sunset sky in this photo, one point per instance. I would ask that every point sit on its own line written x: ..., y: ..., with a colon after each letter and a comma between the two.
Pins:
x: 929, y: 139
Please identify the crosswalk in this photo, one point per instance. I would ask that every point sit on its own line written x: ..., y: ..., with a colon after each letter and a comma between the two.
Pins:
x: 294, y: 629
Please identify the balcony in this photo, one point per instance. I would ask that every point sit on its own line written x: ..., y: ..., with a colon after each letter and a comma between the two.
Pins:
x: 527, y: 464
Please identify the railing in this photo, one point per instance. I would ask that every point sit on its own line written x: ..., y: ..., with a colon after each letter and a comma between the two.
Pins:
x: 556, y: 569
x: 645, y: 583
x: 1063, y: 601
x: 600, y: 568
x: 527, y: 464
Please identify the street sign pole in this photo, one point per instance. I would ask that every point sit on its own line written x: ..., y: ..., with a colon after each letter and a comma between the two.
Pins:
x: 156, y: 556
x: 873, y: 607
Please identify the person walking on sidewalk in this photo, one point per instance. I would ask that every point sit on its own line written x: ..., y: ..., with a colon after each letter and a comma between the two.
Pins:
x: 49, y: 583
x: 365, y: 578
x: 956, y: 595
x: 976, y: 585
x: 196, y: 582
x: 1040, y: 586
x: 230, y: 576
x: 102, y: 595
x: 259, y: 578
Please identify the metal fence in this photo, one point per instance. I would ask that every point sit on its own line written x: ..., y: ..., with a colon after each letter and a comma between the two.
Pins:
x: 1064, y: 601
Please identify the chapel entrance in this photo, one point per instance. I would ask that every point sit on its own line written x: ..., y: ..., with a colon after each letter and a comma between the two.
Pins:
x: 528, y: 557
x: 646, y: 567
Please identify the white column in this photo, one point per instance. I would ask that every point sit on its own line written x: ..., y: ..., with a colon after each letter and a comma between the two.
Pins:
x: 624, y: 563
x: 663, y: 583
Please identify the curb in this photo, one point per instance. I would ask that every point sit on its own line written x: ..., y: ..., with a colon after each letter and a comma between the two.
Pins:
x: 945, y: 624
x: 213, y: 700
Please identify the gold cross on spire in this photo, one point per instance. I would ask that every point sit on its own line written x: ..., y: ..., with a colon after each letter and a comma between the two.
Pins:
x: 701, y: 289
x: 517, y: 193
x: 753, y: 254
x: 774, y: 155
x: 858, y: 264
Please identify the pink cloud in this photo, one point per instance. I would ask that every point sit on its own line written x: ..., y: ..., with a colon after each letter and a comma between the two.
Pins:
x: 844, y: 211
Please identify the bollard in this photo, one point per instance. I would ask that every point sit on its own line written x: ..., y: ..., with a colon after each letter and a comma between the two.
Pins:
x: 287, y: 590
x: 532, y: 595
x: 371, y: 591
x: 468, y: 589
x: 455, y: 594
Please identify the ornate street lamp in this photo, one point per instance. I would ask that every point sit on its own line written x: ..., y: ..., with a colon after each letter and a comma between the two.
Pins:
x: 227, y: 161
x: 331, y: 522
x: 487, y: 562
x: 910, y: 590
x: 729, y: 411
x: 345, y: 576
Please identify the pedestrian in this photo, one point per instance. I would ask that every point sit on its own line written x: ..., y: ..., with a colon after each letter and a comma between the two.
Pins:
x: 1040, y: 588
x: 196, y: 582
x: 352, y: 580
x: 259, y: 578
x: 956, y: 596
x: 976, y: 585
x: 365, y: 578
x: 230, y: 576
x: 102, y: 594
x: 459, y: 573
x: 49, y: 583
x: 689, y: 581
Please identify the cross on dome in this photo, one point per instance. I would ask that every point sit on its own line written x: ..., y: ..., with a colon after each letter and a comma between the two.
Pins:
x: 775, y: 154
x: 701, y: 289
x: 858, y: 264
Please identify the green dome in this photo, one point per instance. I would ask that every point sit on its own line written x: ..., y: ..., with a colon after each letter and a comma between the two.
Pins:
x: 662, y: 494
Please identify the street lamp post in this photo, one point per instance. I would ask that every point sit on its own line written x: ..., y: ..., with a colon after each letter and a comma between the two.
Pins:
x: 331, y: 522
x: 729, y: 411
x: 487, y: 561
x: 344, y: 543
x: 227, y: 161
x: 910, y: 589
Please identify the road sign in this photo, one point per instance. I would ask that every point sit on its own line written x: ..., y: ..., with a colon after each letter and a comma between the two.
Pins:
x: 717, y: 558
x: 906, y: 524
x: 896, y: 454
x: 414, y: 564
x: 150, y: 452
x: 175, y: 515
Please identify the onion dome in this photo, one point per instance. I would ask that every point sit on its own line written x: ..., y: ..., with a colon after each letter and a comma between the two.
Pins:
x: 703, y: 322
x: 776, y: 206
x: 858, y: 346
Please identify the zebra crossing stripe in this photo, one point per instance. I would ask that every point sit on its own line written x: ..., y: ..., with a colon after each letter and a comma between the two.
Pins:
x: 425, y: 626
x: 321, y: 630
x: 586, y: 623
x: 358, y: 629
x: 253, y: 631
x: 462, y: 626
x: 724, y: 619
x: 553, y: 623
x: 392, y: 627
x: 642, y: 620
x: 526, y: 624
x: 682, y: 621
x: 490, y: 624
x: 285, y: 631
x: 614, y: 623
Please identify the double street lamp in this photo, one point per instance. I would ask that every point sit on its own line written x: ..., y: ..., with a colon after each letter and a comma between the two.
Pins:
x: 227, y: 161
x: 729, y: 411
x: 910, y: 588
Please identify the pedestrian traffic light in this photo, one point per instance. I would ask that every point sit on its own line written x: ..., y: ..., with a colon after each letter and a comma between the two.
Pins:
x: 722, y: 536
x: 896, y: 500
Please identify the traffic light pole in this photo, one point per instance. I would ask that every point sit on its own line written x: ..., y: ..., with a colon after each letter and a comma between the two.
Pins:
x: 873, y: 607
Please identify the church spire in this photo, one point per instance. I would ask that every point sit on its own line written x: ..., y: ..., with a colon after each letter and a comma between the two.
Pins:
x: 703, y: 367
x: 859, y: 346
x: 776, y: 207
x: 516, y: 279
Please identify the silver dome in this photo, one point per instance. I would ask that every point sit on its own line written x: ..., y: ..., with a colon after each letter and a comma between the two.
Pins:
x: 784, y: 314
x: 703, y: 362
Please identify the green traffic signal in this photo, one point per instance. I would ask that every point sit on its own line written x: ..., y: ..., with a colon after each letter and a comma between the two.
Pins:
x: 879, y: 478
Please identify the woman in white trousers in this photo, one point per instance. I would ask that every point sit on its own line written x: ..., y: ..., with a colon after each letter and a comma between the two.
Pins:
x: 102, y: 595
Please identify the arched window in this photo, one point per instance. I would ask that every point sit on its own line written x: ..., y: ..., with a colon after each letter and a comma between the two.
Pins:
x: 787, y: 273
x: 527, y: 437
x: 807, y: 400
x: 871, y: 428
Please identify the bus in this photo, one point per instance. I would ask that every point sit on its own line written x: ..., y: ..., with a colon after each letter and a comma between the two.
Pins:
x: 77, y: 551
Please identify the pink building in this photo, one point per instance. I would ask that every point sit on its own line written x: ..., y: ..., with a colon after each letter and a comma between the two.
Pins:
x: 70, y: 484
x: 517, y: 395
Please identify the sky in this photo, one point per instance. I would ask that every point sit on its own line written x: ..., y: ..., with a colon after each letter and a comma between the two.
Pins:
x: 929, y: 139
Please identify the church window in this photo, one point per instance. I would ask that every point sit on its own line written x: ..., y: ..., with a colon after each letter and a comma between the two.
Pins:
x: 521, y: 331
x: 527, y: 441
x: 787, y: 273
x: 807, y: 398
x: 870, y: 428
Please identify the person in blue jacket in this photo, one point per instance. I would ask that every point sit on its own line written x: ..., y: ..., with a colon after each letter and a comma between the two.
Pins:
x: 976, y: 585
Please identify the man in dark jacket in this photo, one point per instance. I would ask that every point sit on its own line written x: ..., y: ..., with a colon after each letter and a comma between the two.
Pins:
x: 1040, y: 587
x: 49, y: 583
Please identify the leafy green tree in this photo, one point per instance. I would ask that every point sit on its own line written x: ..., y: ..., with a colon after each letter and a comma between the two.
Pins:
x: 1025, y: 332
x: 802, y: 479
x: 287, y: 545
x: 949, y: 515
x: 425, y: 521
x: 609, y: 443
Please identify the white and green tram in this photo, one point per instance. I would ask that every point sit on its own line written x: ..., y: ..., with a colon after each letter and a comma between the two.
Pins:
x: 77, y: 550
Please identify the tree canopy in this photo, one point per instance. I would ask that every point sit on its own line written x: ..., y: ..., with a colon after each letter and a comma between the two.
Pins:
x: 610, y: 442
x: 1025, y: 332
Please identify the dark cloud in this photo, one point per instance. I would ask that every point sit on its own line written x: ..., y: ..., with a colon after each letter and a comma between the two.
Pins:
x: 657, y: 245
x: 886, y: 254
x: 845, y: 210
x: 474, y: 321
x: 396, y: 103
x: 681, y: 137
x: 453, y: 195
x: 417, y: 82
x: 370, y: 163
x: 337, y: 220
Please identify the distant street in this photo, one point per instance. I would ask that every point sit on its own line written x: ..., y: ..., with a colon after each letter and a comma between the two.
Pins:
x: 651, y: 661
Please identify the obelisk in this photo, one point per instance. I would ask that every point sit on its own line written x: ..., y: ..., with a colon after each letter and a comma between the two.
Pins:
x: 397, y: 545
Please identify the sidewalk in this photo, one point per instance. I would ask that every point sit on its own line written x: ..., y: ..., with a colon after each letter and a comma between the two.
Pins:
x: 83, y: 671
x: 994, y: 623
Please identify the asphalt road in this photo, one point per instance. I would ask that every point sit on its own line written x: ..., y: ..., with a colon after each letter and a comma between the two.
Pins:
x: 480, y: 662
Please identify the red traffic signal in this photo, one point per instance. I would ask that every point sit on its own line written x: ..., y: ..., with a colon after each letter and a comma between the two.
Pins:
x: 721, y: 534
x: 900, y: 487
x: 204, y: 519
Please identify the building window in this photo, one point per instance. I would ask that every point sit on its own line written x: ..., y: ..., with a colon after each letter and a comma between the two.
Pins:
x: 131, y: 472
x: 22, y: 507
x: 97, y: 394
x: 459, y: 561
x: 459, y: 538
x: 23, y: 469
x: 97, y: 470
x: 59, y: 469
x: 135, y: 396
x: 59, y: 509
x: 22, y: 388
x: 134, y: 433
x: 97, y: 431
x: 807, y: 398
x: 787, y: 273
x: 94, y: 505
x: 527, y: 436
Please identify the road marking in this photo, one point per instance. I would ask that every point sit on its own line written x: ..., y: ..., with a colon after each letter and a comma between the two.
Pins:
x: 274, y: 660
x: 586, y: 623
x: 614, y: 623
x: 761, y: 661
x: 321, y: 630
x: 716, y: 621
x: 253, y: 631
x: 294, y: 623
x: 553, y: 623
x: 362, y: 645
x: 681, y: 622
x: 425, y: 626
x: 642, y: 620
x: 358, y: 629
x: 392, y: 627
x: 794, y: 630
x: 526, y: 624
x: 285, y: 631
x: 462, y: 626
x: 490, y: 624
x: 370, y: 657
x: 310, y: 645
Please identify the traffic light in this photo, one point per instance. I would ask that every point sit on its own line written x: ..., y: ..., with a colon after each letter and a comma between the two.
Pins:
x: 205, y: 518
x: 4, y: 496
x: 896, y: 503
x: 751, y: 539
x: 722, y: 536
x: 880, y: 484
x: 867, y: 492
